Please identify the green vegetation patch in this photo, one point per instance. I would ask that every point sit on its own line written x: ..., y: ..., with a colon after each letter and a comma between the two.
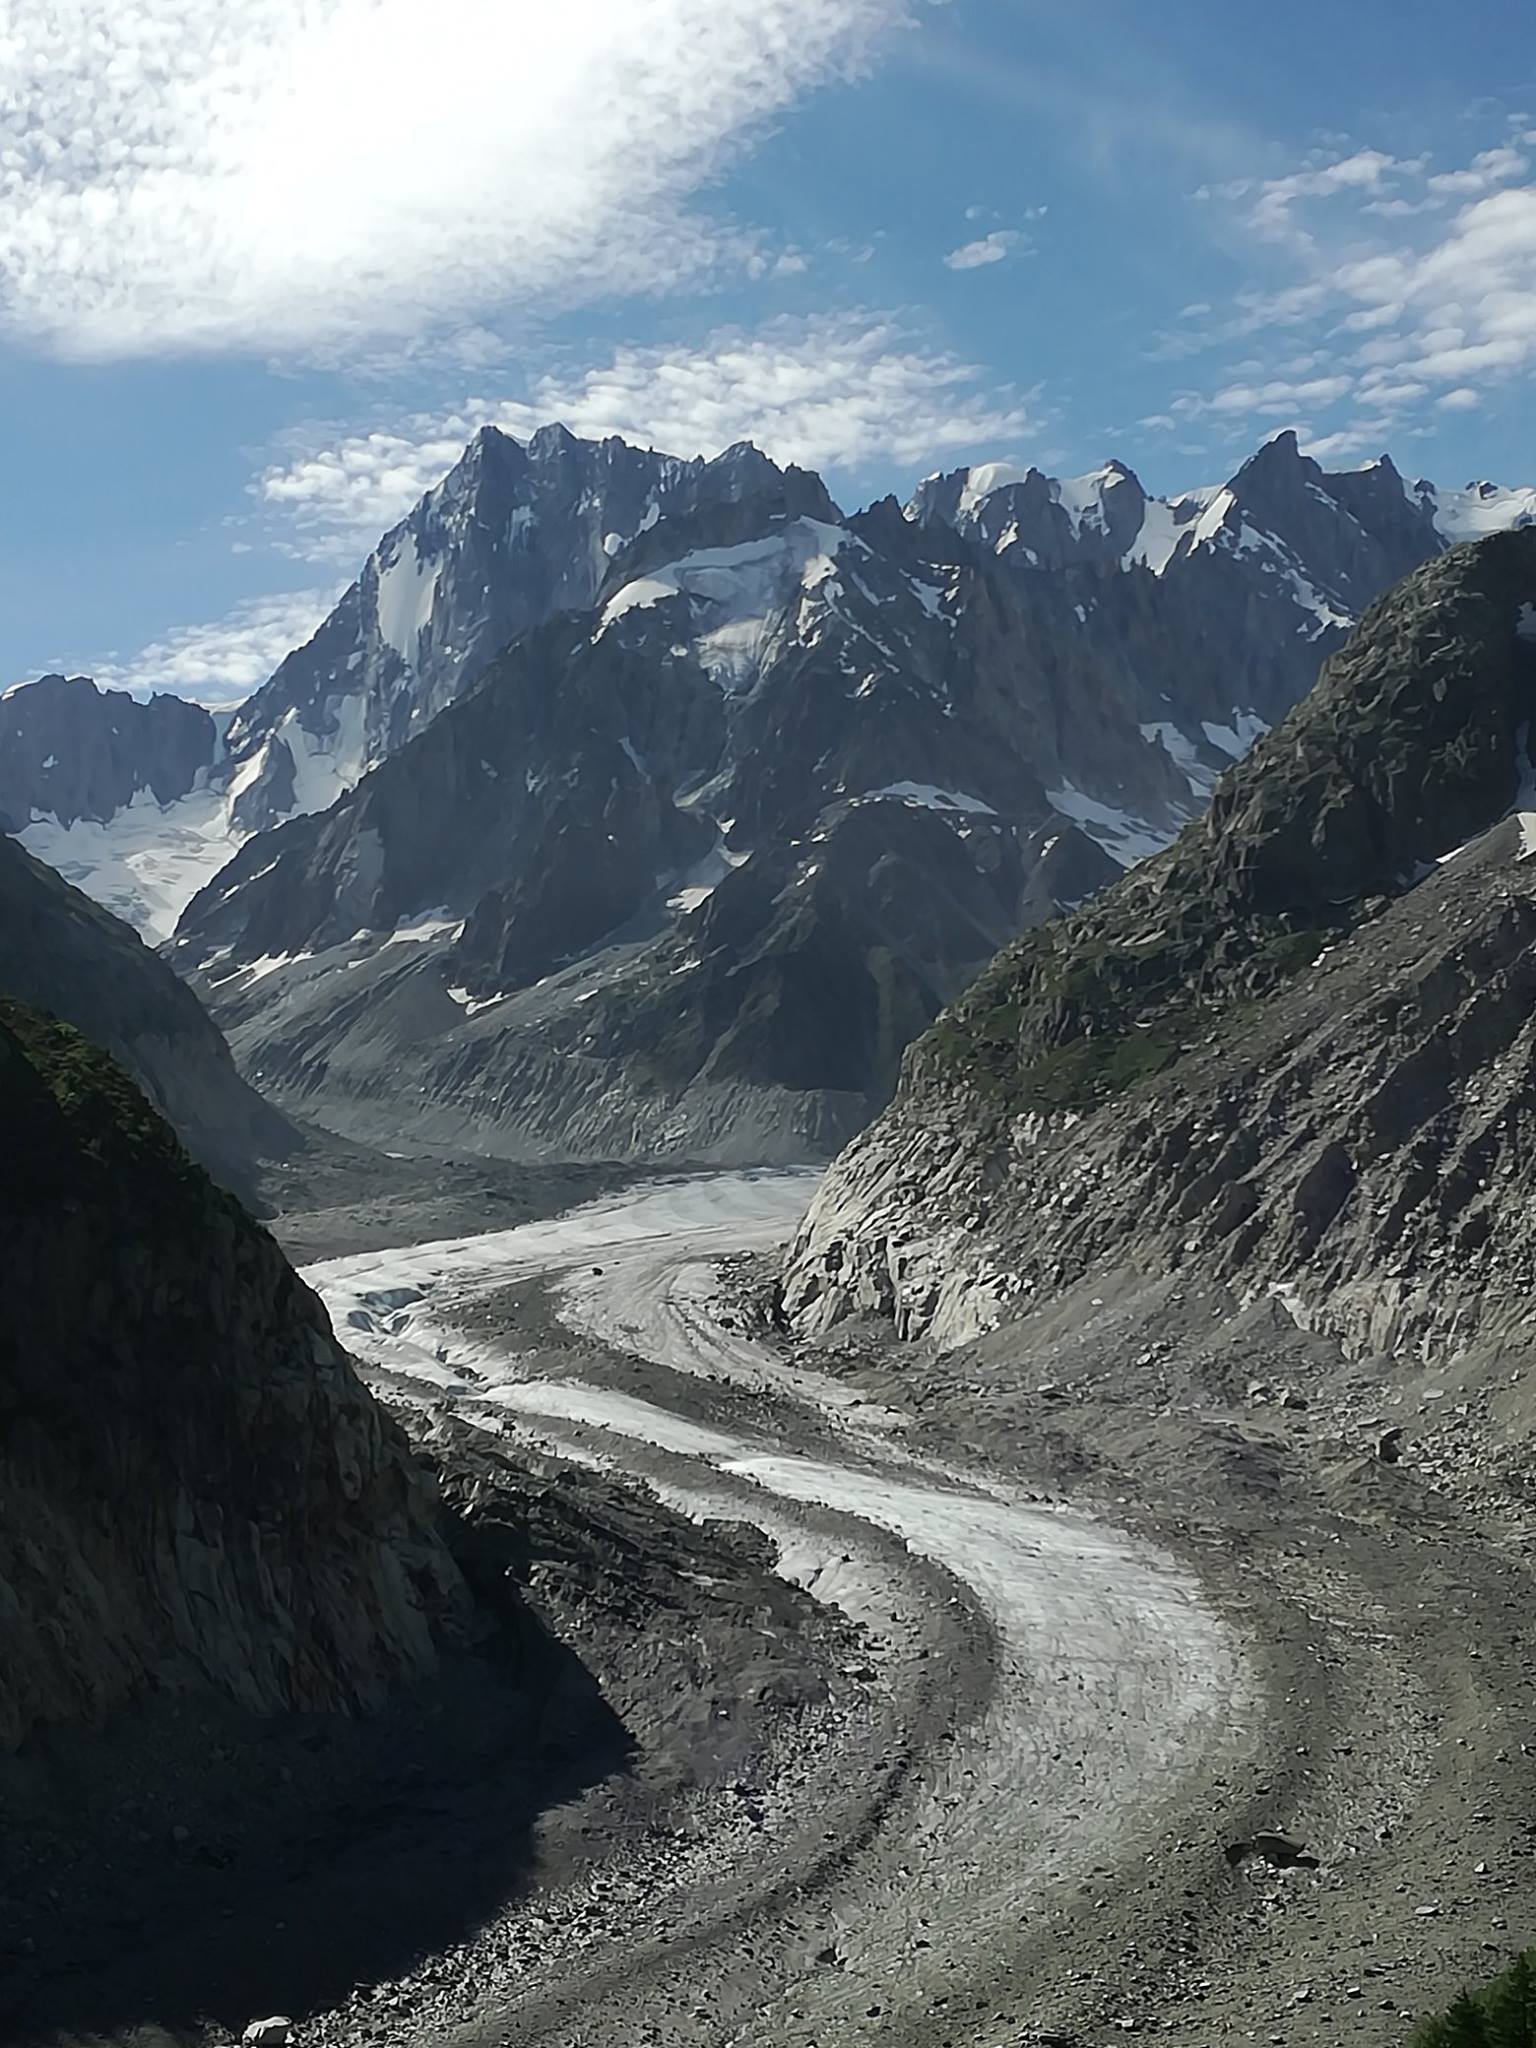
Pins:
x: 1068, y: 1021
x: 1503, y: 2016
x: 103, y: 1134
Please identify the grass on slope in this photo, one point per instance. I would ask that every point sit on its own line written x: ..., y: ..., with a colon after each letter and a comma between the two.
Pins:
x: 1503, y: 2016
x: 77, y: 1124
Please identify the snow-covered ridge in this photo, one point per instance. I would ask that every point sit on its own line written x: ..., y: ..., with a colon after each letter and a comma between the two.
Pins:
x: 740, y: 596
x: 517, y: 533
x: 1479, y: 509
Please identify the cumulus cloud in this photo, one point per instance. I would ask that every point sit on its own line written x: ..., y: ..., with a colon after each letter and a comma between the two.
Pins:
x: 317, y: 174
x: 220, y: 662
x: 993, y: 248
x: 1492, y: 167
x: 835, y: 393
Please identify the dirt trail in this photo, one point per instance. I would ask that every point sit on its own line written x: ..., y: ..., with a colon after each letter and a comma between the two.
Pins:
x: 1106, y: 1695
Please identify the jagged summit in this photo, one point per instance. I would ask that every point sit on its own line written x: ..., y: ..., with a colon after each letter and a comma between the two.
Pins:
x: 1257, y: 580
x: 591, y: 704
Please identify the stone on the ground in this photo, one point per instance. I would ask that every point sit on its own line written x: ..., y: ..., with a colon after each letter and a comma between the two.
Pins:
x: 276, y: 2032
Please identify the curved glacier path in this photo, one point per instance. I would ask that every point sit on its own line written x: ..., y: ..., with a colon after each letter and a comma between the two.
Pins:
x: 1113, y: 1695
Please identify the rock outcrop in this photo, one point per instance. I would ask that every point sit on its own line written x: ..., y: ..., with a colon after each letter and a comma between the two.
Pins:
x: 63, y: 954
x: 1293, y: 1053
x: 73, y: 753
x: 196, y: 1491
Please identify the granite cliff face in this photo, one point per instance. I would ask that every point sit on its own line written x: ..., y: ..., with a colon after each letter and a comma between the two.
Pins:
x: 141, y: 804
x: 682, y: 875
x: 1293, y: 1053
x: 195, y: 1489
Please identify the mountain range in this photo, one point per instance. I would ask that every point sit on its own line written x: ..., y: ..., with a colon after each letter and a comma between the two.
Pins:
x: 632, y: 806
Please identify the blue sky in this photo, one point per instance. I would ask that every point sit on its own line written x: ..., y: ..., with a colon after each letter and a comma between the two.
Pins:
x: 264, y: 268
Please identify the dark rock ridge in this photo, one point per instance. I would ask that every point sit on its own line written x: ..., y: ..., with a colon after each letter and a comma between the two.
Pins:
x: 1293, y: 1053
x: 69, y: 751
x: 63, y: 954
x: 514, y: 534
x: 195, y: 1489
x: 1233, y: 596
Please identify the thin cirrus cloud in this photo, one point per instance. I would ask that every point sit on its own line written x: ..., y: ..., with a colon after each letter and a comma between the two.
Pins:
x: 1416, y: 285
x: 838, y: 393
x: 315, y: 174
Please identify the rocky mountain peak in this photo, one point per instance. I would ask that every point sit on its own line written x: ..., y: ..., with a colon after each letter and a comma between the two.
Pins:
x: 1201, y: 618
x: 552, y: 442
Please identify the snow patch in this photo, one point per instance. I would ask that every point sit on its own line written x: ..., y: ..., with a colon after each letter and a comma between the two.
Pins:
x: 982, y: 481
x: 932, y: 798
x: 326, y: 765
x: 431, y: 925
x: 1123, y: 837
x: 1082, y: 498
x: 406, y: 593
x: 1180, y: 749
x: 146, y: 863
x: 268, y: 964
x: 1235, y: 739
x: 704, y: 877
x: 474, y: 1004
x: 1161, y: 531
x: 1480, y: 509
x: 739, y: 595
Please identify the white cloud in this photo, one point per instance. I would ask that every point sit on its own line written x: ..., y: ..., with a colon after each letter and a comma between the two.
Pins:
x: 1493, y: 167
x: 1276, y: 398
x: 316, y: 174
x: 1273, y: 211
x: 1359, y: 439
x: 223, y: 661
x: 835, y: 393
x: 993, y: 248
x: 1413, y: 287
